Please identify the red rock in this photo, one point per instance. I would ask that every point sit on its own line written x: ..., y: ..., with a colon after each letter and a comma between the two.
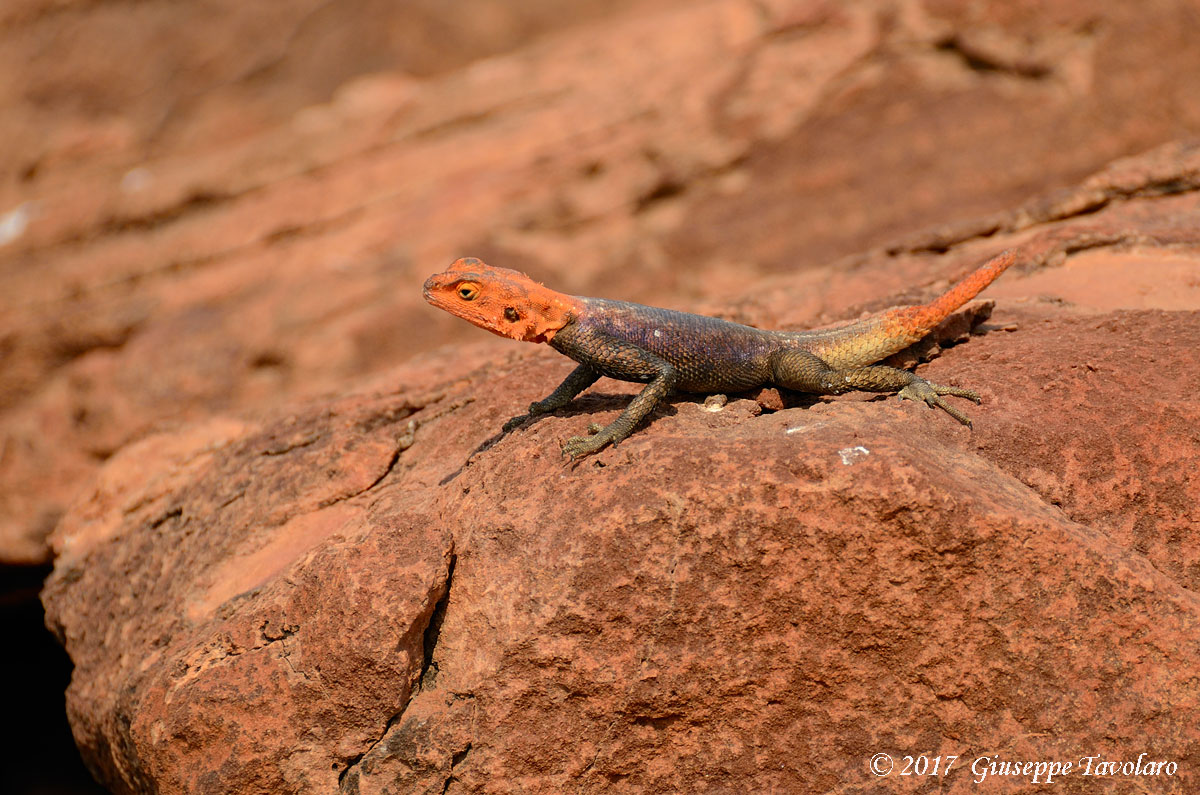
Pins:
x: 293, y: 554
x: 238, y: 249
x: 378, y: 593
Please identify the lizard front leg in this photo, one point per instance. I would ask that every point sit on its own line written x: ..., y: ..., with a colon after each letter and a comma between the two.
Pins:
x: 580, y: 379
x: 621, y: 427
x: 806, y: 372
x: 616, y: 358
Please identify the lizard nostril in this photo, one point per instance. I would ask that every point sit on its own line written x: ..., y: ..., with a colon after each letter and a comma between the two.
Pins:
x: 511, y: 314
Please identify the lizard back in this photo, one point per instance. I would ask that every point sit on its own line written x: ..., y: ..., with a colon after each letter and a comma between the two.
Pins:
x: 708, y: 353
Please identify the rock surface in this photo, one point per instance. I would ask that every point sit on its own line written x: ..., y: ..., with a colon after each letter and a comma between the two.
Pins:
x: 292, y: 554
x: 374, y: 593
x: 179, y: 249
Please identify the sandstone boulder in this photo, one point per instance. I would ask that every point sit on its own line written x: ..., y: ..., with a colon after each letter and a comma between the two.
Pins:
x: 379, y: 593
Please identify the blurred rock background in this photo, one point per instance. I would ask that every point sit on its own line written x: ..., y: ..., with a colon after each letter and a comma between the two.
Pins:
x: 218, y: 207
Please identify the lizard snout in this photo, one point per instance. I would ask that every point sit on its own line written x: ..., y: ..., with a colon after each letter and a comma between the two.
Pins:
x: 430, y: 284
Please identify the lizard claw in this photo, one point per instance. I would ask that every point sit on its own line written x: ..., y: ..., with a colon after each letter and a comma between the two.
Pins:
x: 579, y: 446
x: 931, y: 394
x: 515, y: 423
x: 536, y: 409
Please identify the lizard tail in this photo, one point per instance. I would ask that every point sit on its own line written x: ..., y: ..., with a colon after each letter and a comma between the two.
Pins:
x: 871, y: 339
x: 911, y: 323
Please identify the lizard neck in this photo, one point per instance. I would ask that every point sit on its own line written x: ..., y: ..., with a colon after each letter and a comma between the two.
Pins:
x: 562, y: 340
x: 548, y: 313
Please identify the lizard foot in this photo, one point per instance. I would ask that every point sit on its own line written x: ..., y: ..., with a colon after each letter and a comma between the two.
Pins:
x: 515, y: 423
x: 931, y: 393
x: 536, y: 409
x: 579, y: 446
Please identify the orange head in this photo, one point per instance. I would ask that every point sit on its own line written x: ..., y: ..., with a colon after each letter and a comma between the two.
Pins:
x: 503, y: 301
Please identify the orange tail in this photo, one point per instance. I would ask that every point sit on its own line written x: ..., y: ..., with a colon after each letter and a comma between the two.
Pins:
x: 920, y: 320
x: 868, y: 340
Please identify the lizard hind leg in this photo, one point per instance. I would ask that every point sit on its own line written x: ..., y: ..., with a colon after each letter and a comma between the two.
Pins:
x: 806, y: 372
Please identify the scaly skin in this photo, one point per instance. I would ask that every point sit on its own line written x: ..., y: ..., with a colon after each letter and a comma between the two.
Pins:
x: 676, y: 351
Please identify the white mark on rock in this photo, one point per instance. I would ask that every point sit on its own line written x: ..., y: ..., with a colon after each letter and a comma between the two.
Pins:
x: 848, y: 454
x: 805, y: 428
x: 14, y: 222
x: 135, y: 179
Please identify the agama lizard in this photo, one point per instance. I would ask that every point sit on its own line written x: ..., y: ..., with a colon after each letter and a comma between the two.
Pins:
x: 669, y: 350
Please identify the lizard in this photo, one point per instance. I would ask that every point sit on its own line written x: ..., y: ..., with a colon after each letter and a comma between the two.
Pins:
x: 669, y: 350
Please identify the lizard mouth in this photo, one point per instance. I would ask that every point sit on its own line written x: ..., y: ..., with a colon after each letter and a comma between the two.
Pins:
x: 427, y: 291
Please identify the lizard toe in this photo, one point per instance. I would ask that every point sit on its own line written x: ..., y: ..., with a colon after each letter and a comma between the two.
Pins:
x: 579, y: 446
x: 514, y: 423
x: 957, y: 391
x: 931, y: 394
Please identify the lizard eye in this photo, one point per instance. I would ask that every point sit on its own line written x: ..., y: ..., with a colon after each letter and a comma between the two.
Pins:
x: 511, y: 315
x: 468, y: 292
